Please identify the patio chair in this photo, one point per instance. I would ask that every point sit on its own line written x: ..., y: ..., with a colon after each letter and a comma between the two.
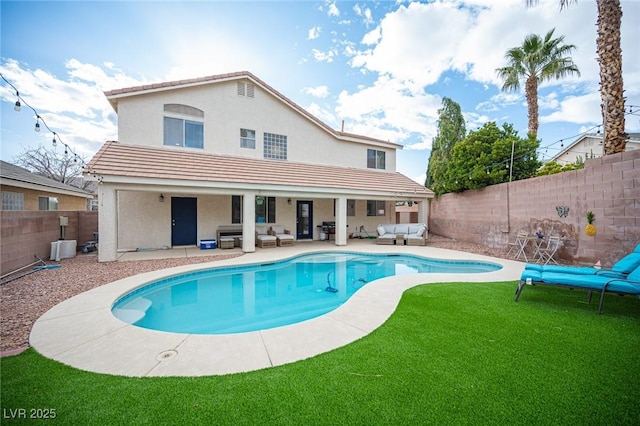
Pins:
x: 283, y: 236
x: 547, y: 253
x: 620, y: 269
x: 263, y: 239
x: 603, y: 284
x: 511, y: 247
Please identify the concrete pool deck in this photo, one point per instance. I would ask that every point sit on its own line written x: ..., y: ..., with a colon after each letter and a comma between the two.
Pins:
x: 82, y: 332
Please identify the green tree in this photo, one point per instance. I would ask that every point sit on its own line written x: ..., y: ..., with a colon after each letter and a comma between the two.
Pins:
x: 536, y: 61
x: 451, y: 130
x: 484, y: 158
x: 610, y: 60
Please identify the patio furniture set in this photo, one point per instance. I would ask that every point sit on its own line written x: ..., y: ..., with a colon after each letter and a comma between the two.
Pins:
x: 410, y: 234
x: 542, y: 249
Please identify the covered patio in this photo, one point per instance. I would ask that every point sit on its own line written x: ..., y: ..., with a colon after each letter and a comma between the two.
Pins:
x: 140, y: 188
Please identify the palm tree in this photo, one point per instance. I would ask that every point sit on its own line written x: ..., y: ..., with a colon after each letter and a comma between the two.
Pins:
x: 536, y: 61
x: 610, y: 60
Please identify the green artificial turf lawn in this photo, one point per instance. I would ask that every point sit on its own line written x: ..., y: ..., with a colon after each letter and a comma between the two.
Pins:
x: 451, y: 354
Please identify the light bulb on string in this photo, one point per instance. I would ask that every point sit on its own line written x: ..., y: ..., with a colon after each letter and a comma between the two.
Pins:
x: 37, y: 127
x: 54, y: 142
x: 66, y: 152
x: 17, y: 105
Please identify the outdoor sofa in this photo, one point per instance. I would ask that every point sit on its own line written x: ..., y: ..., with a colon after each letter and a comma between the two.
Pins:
x: 411, y: 234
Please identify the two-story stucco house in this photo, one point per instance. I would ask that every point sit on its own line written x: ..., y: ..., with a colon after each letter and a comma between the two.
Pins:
x: 195, y: 155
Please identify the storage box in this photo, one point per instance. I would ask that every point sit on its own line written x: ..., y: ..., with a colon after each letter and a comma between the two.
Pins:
x: 207, y: 244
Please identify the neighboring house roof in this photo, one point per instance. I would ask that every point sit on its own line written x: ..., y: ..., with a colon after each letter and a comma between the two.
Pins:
x: 152, y: 165
x: 633, y: 142
x: 12, y: 175
x: 114, y: 95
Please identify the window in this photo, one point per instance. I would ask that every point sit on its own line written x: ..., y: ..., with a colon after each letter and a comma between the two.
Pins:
x: 351, y: 207
x: 375, y: 159
x: 275, y: 146
x: 179, y: 132
x: 375, y: 208
x: 236, y: 209
x: 47, y: 203
x: 12, y: 200
x: 265, y: 209
x: 247, y: 138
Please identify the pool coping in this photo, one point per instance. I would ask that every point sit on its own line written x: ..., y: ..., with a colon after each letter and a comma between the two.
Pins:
x: 82, y: 332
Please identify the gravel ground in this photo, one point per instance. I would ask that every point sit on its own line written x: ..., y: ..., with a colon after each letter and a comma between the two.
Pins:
x: 23, y: 301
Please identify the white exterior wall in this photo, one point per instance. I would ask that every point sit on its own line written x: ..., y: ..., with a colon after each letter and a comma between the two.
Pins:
x: 140, y: 122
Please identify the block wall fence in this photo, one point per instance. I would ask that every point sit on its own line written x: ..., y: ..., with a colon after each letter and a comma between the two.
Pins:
x: 25, y: 233
x: 608, y: 186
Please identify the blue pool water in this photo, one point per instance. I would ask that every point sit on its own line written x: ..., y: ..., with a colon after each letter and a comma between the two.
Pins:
x: 257, y: 297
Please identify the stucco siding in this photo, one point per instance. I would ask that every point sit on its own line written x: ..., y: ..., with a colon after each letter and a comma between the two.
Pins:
x: 31, y: 199
x: 140, y: 121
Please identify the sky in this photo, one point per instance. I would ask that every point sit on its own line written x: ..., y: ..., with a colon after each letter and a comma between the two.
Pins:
x: 382, y: 67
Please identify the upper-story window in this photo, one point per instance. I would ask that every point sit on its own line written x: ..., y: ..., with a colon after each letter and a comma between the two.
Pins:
x: 275, y: 146
x: 375, y: 159
x: 183, y: 126
x: 246, y: 89
x: 247, y: 138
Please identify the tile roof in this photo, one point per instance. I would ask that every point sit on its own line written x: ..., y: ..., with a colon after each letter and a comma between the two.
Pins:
x: 12, y: 172
x: 135, y: 161
x: 113, y: 95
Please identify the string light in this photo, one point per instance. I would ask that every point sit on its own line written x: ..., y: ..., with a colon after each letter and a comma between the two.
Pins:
x: 56, y: 137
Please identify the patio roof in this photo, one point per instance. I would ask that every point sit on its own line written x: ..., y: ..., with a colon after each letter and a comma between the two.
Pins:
x: 124, y: 163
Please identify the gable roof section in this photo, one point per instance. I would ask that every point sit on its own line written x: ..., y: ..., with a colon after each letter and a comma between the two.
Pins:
x: 12, y: 175
x: 114, y: 95
x: 134, y: 162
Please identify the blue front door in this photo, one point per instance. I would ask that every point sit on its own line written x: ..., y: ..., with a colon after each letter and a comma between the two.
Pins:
x: 184, y: 221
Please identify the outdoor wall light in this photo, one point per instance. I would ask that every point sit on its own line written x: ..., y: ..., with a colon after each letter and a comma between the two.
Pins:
x: 289, y: 201
x: 161, y: 198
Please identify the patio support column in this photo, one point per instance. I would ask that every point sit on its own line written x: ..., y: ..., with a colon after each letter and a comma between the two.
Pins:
x: 423, y: 213
x: 249, y: 222
x: 341, y: 221
x: 107, y: 224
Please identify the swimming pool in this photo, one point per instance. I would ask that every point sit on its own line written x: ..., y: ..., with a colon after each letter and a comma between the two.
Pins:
x: 257, y: 297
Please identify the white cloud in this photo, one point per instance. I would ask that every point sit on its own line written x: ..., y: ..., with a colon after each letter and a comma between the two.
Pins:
x: 389, y: 110
x: 74, y: 108
x: 318, y: 91
x: 332, y: 9
x: 323, y: 56
x: 314, y: 33
x: 364, y: 13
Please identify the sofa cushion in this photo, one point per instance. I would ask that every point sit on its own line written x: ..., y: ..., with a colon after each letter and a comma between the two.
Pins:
x: 389, y: 228
x: 262, y: 230
x: 380, y: 230
x: 402, y: 229
x: 278, y: 229
x: 421, y: 231
x: 414, y: 228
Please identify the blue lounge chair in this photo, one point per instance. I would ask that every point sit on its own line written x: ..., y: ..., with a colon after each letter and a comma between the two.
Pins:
x: 589, y: 282
x: 620, y: 269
